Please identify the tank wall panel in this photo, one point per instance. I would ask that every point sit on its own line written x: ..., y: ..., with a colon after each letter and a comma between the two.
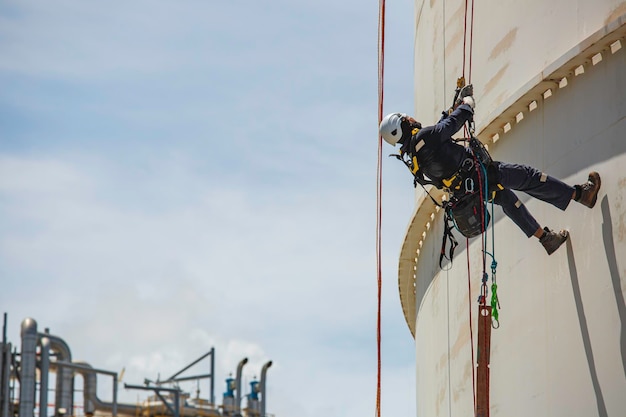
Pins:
x: 561, y: 346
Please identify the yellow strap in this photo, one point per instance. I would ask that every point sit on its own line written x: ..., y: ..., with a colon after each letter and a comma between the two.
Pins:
x: 416, y: 167
x: 493, y: 193
x: 448, y: 182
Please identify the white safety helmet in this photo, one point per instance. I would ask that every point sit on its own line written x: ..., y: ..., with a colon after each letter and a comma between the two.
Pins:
x: 391, y: 128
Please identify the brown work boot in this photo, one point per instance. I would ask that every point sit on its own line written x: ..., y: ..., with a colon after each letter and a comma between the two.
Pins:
x: 552, y: 240
x: 589, y: 190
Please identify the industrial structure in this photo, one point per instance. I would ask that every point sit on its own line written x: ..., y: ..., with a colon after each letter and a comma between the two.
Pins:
x: 44, y: 364
x: 550, y: 86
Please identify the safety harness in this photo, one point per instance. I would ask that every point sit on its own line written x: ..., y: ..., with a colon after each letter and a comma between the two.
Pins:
x: 465, y: 208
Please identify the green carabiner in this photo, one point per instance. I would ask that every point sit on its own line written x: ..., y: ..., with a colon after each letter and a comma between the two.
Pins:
x: 494, y: 302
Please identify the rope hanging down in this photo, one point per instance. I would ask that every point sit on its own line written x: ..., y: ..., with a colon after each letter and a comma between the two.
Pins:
x: 487, y: 314
x: 459, y: 82
x: 468, y: 37
x: 467, y: 31
x: 381, y: 73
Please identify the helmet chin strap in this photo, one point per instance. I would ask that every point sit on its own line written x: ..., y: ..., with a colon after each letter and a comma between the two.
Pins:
x: 405, y: 146
x: 406, y: 137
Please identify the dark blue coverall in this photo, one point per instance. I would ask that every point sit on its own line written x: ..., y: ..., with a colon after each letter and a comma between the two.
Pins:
x: 440, y: 157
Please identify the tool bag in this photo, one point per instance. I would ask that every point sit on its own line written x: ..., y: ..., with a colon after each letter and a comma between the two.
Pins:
x: 464, y: 214
x: 469, y: 214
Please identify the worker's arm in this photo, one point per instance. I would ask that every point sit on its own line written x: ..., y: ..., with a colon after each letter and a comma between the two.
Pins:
x: 448, y: 126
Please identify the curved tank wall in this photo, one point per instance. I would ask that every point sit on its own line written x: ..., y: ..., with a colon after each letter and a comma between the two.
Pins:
x: 550, y: 82
x: 512, y: 42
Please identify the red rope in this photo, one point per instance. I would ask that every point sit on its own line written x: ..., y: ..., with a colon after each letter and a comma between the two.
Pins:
x: 469, y: 75
x: 464, y: 37
x: 471, y: 39
x: 379, y: 186
x: 469, y: 283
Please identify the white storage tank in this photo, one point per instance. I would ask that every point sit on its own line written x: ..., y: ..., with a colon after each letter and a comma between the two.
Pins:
x: 550, y: 85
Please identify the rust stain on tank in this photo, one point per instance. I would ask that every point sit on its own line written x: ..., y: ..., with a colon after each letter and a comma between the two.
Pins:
x: 460, y: 389
x: 441, y: 396
x: 456, y: 18
x: 434, y: 290
x: 462, y: 339
x: 455, y: 21
x: 496, y: 78
x: 435, y: 45
x: 621, y: 225
x: 617, y: 12
x: 504, y: 44
x: 441, y: 364
x: 621, y: 186
x: 501, y: 97
x: 453, y: 42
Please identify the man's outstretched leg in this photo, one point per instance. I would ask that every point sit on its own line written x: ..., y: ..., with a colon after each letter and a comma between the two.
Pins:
x: 587, y: 195
x: 548, y: 189
x: 520, y: 215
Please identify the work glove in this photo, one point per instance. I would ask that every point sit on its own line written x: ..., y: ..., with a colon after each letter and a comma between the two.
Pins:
x: 469, y: 100
x: 466, y: 96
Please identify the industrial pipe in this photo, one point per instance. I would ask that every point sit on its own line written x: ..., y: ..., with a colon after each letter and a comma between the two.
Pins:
x: 263, y: 378
x: 4, y: 412
x: 65, y: 377
x: 27, y: 369
x: 93, y: 403
x: 44, y: 372
x: 90, y: 395
x: 5, y: 370
x: 238, y: 386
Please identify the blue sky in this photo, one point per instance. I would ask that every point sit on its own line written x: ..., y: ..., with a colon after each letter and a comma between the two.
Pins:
x: 176, y: 176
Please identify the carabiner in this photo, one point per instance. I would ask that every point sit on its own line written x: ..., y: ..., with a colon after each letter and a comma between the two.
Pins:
x: 469, y: 185
x: 467, y: 165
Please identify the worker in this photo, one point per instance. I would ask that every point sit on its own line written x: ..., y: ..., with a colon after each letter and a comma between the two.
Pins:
x: 448, y: 164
